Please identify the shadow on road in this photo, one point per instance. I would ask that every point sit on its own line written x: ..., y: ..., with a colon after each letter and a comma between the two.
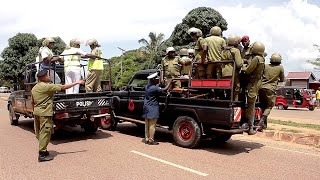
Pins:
x: 55, y: 153
x: 231, y: 147
x: 68, y: 134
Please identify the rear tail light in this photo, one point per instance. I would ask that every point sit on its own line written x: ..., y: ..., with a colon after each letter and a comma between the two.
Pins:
x: 61, y: 115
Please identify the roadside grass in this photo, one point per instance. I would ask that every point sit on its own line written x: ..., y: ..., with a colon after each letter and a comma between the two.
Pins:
x: 295, y: 124
x: 290, y: 130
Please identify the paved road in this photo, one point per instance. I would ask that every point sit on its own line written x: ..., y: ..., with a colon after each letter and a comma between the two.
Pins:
x: 121, y: 155
x: 302, y: 115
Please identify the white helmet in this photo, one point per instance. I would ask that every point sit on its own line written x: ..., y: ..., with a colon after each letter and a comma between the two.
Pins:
x: 46, y: 41
x: 197, y: 31
x: 92, y: 42
x: 75, y: 41
x: 170, y: 49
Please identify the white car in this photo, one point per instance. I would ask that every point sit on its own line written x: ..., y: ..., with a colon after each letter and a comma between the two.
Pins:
x: 4, y: 90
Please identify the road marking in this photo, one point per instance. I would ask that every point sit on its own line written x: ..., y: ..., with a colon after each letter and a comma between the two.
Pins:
x: 317, y: 155
x: 170, y: 163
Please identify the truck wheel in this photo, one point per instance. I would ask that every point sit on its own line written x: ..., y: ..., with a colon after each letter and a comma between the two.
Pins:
x: 311, y: 108
x: 13, y: 117
x: 280, y: 106
x: 186, y: 132
x: 222, y: 138
x: 90, y: 128
x: 106, y: 123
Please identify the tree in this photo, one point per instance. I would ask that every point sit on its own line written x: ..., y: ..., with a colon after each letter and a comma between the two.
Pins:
x: 315, y: 62
x: 203, y: 18
x: 151, y: 48
x: 23, y: 49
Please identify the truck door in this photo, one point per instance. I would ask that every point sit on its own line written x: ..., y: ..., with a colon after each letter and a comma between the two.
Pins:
x: 136, y: 95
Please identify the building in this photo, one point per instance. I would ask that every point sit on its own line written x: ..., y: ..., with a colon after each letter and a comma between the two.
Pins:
x: 300, y: 79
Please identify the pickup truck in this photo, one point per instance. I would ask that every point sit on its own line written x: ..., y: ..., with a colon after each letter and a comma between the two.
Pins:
x: 190, y: 114
x: 89, y: 110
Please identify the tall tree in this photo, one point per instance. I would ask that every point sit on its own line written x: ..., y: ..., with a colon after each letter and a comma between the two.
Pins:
x: 316, y: 61
x: 151, y: 48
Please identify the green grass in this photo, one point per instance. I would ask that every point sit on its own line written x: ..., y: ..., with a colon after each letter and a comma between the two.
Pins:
x: 291, y: 130
x: 295, y: 124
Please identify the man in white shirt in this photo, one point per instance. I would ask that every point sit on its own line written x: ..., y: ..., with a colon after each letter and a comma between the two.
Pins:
x: 72, y: 66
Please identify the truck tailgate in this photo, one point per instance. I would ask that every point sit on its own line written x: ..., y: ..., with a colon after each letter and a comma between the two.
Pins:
x: 81, y: 102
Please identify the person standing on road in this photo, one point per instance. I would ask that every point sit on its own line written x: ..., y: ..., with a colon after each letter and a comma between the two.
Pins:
x: 42, y: 102
x: 254, y: 72
x: 95, y: 67
x: 213, y: 47
x: 318, y: 97
x: 72, y: 66
x: 151, y: 107
x: 273, y: 73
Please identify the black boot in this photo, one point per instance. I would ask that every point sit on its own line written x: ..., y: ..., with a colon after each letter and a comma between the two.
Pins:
x: 44, y: 156
x: 262, y: 123
x: 152, y: 142
x: 251, y: 131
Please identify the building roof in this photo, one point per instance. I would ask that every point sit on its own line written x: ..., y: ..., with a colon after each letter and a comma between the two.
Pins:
x: 300, y: 75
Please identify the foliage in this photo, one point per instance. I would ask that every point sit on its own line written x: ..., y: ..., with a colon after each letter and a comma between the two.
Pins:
x: 203, y: 18
x: 23, y: 49
x: 151, y: 48
x: 315, y: 62
x: 132, y: 61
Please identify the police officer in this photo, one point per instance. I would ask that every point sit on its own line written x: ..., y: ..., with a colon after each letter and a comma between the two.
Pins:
x: 254, y: 71
x: 213, y: 46
x: 47, y: 60
x: 42, y: 101
x: 95, y: 67
x: 231, y: 52
x: 196, y: 35
x: 171, y: 66
x: 72, y: 66
x: 191, y: 53
x: 151, y: 107
x: 186, y: 62
x: 245, y: 41
x: 273, y: 73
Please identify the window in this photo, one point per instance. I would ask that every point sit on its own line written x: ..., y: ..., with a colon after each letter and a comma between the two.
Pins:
x: 139, y: 82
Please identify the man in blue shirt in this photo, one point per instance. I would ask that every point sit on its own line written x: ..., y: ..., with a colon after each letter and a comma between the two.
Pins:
x: 151, y: 107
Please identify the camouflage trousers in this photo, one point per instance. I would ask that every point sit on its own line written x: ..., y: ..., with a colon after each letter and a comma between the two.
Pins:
x: 267, y: 100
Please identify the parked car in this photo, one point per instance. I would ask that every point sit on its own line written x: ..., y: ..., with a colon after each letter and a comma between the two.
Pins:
x: 4, y: 90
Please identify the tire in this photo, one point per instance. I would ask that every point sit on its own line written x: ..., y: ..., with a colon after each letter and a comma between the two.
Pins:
x: 13, y: 117
x: 280, y: 106
x: 140, y: 126
x: 311, y: 108
x: 106, y: 123
x: 186, y: 132
x: 285, y: 107
x: 90, y: 127
x: 222, y: 138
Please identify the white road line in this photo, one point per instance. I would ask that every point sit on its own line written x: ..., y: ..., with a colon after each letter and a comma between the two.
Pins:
x: 170, y: 163
x: 317, y: 155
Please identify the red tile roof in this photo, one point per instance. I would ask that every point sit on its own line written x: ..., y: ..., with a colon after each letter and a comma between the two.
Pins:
x: 300, y: 75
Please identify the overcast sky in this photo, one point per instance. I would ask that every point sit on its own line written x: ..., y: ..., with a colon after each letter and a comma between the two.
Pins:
x: 288, y: 27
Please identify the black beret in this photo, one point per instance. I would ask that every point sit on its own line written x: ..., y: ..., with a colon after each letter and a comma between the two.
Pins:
x: 42, y: 73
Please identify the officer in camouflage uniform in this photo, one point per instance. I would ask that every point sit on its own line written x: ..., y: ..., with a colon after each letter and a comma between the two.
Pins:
x: 231, y: 52
x: 42, y: 101
x: 196, y: 35
x: 273, y: 73
x: 171, y: 67
x: 213, y: 47
x: 254, y: 71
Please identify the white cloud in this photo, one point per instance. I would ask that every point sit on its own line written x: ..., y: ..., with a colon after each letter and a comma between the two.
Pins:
x: 290, y: 28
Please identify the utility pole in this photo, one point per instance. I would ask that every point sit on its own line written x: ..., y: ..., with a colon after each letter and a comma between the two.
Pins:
x: 123, y: 51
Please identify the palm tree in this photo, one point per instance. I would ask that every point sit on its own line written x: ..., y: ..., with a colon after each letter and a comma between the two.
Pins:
x: 151, y: 47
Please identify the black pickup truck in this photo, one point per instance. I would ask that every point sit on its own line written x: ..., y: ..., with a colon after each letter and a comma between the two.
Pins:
x: 190, y: 114
x: 89, y: 110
